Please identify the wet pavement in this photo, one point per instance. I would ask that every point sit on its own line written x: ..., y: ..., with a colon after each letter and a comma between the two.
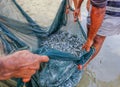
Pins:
x: 104, y: 70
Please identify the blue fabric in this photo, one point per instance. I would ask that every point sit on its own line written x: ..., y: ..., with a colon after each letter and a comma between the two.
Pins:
x: 114, y: 14
x: 113, y: 4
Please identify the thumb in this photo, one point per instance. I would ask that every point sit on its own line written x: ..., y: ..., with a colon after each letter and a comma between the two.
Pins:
x: 42, y: 58
x: 88, y: 49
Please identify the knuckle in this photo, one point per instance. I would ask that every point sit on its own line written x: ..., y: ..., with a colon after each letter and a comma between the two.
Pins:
x: 22, y: 52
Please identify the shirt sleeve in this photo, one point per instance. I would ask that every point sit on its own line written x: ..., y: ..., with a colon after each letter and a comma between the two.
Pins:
x: 99, y: 3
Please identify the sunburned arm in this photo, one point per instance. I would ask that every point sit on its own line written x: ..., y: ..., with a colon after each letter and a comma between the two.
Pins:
x: 75, y: 3
x: 97, y: 16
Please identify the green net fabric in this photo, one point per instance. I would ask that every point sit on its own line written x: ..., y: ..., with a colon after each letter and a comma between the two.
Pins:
x: 62, y: 42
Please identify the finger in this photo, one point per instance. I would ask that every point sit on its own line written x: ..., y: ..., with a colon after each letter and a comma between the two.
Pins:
x: 26, y: 80
x: 75, y: 15
x: 88, y: 49
x: 24, y: 73
x: 44, y: 59
x: 80, y: 67
x: 35, y: 66
x: 29, y: 73
x: 27, y: 77
x: 41, y: 58
x: 85, y: 47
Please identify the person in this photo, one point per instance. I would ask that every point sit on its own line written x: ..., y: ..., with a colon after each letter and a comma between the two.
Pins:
x: 102, y: 21
x: 21, y: 64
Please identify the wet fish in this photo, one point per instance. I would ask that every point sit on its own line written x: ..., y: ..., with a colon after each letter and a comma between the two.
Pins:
x: 65, y: 42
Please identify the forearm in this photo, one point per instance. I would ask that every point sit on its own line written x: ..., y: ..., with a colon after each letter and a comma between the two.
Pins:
x: 79, y: 4
x: 75, y: 3
x: 97, y: 16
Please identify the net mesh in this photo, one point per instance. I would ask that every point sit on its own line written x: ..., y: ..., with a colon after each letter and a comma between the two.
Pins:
x: 61, y: 41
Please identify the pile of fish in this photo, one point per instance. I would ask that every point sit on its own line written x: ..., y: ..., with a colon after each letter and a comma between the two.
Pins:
x: 65, y: 42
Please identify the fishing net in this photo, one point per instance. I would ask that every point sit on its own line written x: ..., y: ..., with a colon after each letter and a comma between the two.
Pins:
x: 62, y: 42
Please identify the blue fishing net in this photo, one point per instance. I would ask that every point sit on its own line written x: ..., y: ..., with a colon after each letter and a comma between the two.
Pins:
x: 62, y: 42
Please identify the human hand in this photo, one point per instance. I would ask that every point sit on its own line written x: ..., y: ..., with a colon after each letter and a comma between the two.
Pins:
x: 76, y: 14
x: 80, y: 67
x: 87, y: 45
x: 22, y: 64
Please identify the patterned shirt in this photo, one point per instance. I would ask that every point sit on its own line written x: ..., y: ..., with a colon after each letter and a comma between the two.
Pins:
x: 99, y: 3
x: 112, y: 6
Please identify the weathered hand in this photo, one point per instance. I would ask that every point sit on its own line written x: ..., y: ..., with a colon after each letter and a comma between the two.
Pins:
x: 24, y: 73
x: 22, y: 64
x: 87, y: 45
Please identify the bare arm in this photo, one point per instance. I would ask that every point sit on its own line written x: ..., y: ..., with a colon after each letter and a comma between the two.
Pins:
x: 75, y: 3
x: 21, y: 64
x: 97, y: 16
